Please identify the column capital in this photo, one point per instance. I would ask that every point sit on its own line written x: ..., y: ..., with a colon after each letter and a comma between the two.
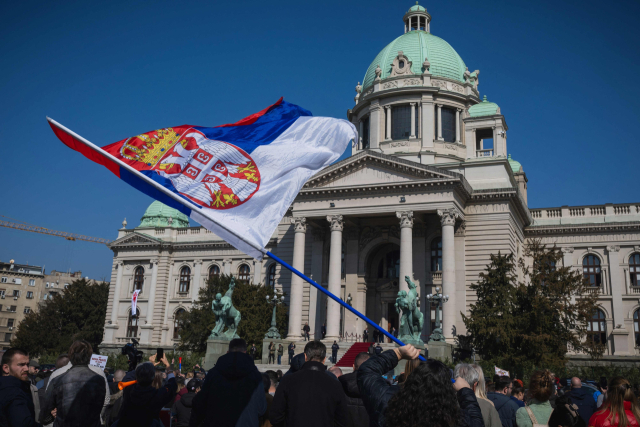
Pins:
x: 413, y: 104
x: 406, y: 219
x: 154, y: 261
x: 386, y: 107
x: 336, y: 222
x: 458, y: 109
x: 613, y: 248
x: 226, y: 261
x: 197, y: 261
x: 567, y: 250
x: 120, y: 263
x: 439, y: 105
x: 448, y: 216
x: 299, y: 224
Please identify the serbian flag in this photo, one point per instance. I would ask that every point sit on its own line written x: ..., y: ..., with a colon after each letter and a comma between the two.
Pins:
x: 236, y: 180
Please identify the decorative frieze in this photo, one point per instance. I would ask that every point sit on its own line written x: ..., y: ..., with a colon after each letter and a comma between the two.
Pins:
x: 412, y: 82
x: 390, y: 85
x: 399, y: 144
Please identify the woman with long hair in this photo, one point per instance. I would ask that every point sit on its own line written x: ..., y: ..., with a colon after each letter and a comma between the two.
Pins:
x: 538, y: 409
x: 474, y: 375
x: 621, y: 408
x: 158, y: 380
x: 481, y: 390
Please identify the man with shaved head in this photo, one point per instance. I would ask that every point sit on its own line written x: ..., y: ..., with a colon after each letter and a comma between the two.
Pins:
x: 583, y: 398
x: 358, y: 416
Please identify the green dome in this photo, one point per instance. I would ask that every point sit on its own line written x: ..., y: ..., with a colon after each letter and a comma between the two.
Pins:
x: 417, y: 8
x: 418, y: 45
x: 515, y: 165
x: 158, y: 214
x: 485, y: 108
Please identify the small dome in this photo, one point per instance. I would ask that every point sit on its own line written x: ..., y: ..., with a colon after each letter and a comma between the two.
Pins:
x: 515, y: 165
x: 158, y: 214
x: 485, y: 108
x: 417, y: 8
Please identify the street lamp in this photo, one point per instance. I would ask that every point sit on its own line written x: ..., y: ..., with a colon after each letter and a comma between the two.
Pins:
x: 273, y: 332
x: 439, y: 299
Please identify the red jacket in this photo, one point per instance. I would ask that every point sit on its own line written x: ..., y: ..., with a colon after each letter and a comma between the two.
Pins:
x: 599, y: 419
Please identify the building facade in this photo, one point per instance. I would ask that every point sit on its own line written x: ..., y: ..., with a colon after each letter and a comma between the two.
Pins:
x: 429, y: 192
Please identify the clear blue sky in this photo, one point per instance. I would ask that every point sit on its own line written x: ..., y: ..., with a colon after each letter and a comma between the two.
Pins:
x: 562, y: 73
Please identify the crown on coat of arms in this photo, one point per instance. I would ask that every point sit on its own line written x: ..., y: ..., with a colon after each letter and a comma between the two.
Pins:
x: 152, y: 148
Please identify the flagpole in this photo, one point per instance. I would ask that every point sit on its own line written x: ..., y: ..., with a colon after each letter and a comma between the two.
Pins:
x: 338, y: 300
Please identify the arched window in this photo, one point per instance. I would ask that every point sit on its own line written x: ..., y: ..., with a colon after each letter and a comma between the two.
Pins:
x: 597, y: 328
x: 591, y: 270
x: 132, y: 325
x: 634, y: 269
x: 177, y: 324
x: 636, y: 326
x: 271, y: 276
x: 436, y: 254
x: 185, y: 280
x: 138, y: 278
x: 214, y: 271
x: 243, y: 272
x: 448, y: 124
x: 401, y: 121
x: 365, y: 133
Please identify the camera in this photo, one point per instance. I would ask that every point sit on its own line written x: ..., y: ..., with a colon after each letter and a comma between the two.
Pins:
x: 133, y: 354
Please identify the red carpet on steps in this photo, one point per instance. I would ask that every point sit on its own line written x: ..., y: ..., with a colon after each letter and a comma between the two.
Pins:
x: 350, y: 356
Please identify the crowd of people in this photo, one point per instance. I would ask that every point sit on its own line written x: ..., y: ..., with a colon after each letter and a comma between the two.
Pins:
x: 234, y: 393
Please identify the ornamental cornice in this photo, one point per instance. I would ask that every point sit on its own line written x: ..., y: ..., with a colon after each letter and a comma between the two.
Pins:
x: 537, y: 230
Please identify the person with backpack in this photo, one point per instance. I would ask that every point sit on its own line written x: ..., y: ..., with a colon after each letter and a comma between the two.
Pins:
x: 538, y: 410
x: 182, y: 408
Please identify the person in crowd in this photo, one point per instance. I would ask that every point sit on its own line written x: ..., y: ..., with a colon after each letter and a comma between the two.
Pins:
x: 335, y: 371
x: 620, y: 409
x: 426, y: 398
x: 538, y: 409
x: 517, y: 394
x: 378, y: 349
x: 501, y: 399
x: 310, y: 397
x: 280, y: 353
x: 142, y: 402
x: 566, y: 413
x: 272, y: 353
x: 375, y: 335
x: 394, y: 331
x: 79, y: 395
x: 358, y: 416
x: 365, y: 335
x: 583, y: 399
x: 323, y: 330
x: 296, y: 364
x: 181, y: 383
x: 190, y: 375
x: 273, y: 382
x: 279, y: 374
x: 253, y: 352
x: 158, y: 379
x: 292, y: 350
x: 264, y: 419
x: 232, y: 393
x: 603, y: 393
x: 17, y: 407
x: 34, y: 368
x: 372, y: 349
x: 61, y: 361
x: 334, y: 352
x: 306, y: 329
x: 489, y: 414
x: 182, y: 408
x: 115, y: 398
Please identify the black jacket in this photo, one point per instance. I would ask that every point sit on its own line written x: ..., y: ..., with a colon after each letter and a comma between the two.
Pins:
x: 78, y: 395
x: 506, y: 408
x: 335, y: 348
x: 292, y: 348
x: 585, y: 401
x: 376, y: 391
x: 182, y: 409
x: 141, y: 405
x: 358, y: 416
x: 309, y: 398
x: 232, y: 394
x: 16, y: 404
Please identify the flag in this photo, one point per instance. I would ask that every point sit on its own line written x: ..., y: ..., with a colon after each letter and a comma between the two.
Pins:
x: 501, y: 372
x: 134, y: 302
x: 236, y: 180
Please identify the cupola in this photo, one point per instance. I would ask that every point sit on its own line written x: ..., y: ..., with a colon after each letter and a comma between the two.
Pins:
x: 417, y: 19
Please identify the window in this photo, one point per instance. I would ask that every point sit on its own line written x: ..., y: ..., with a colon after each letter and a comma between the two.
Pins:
x: 2, y: 291
x: 271, y: 276
x: 66, y: 285
x: 436, y: 254
x: 0, y: 307
x: 17, y: 281
x: 138, y: 279
x: 591, y: 270
x: 177, y: 324
x: 365, y: 133
x: 29, y: 295
x: 132, y: 325
x: 47, y: 285
x: 636, y: 326
x: 597, y: 328
x: 634, y: 269
x: 243, y: 272
x: 449, y: 124
x: 27, y: 310
x: 7, y: 337
x: 10, y: 322
x: 214, y: 271
x: 12, y: 308
x: 32, y: 282
x: 16, y: 293
x: 4, y: 279
x: 185, y: 280
x: 401, y: 122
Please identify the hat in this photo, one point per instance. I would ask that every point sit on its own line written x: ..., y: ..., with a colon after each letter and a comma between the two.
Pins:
x: 34, y: 364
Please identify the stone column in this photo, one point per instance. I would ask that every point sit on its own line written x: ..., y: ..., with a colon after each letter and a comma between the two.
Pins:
x: 450, y: 310
x: 387, y: 130
x: 316, y: 298
x: 458, y: 125
x: 406, y: 248
x: 413, y: 120
x: 439, y: 122
x: 619, y: 332
x: 167, y: 321
x: 116, y: 294
x: 296, y: 291
x: 152, y: 291
x: 197, y: 279
x: 361, y: 142
x: 427, y: 123
x: 335, y: 267
x: 375, y: 114
x: 226, y: 265
x: 257, y: 272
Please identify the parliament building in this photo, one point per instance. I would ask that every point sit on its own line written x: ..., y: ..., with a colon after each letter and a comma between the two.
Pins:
x: 430, y: 191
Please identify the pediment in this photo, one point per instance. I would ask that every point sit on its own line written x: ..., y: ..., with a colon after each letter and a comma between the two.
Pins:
x: 371, y: 168
x: 136, y: 239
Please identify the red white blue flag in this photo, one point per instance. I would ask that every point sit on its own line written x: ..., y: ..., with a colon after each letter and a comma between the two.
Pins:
x: 236, y: 180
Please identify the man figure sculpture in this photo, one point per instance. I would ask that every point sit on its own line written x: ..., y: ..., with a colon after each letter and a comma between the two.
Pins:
x: 226, y: 315
x: 412, y: 319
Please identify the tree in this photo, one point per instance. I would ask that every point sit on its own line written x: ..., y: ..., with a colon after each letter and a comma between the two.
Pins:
x: 77, y: 313
x: 250, y: 300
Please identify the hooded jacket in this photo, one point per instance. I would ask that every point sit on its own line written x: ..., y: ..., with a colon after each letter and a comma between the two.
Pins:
x: 506, y: 408
x: 182, y: 409
x: 232, y: 394
x: 16, y: 404
x: 358, y: 416
x: 599, y: 419
x: 584, y: 399
x: 142, y: 404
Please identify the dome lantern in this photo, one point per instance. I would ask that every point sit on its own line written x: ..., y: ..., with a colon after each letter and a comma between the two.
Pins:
x: 417, y: 19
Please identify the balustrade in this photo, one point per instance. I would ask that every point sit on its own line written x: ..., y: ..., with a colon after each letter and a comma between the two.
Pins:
x: 484, y: 153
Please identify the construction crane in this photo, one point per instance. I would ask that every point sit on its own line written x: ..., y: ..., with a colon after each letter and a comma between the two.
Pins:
x: 35, y: 229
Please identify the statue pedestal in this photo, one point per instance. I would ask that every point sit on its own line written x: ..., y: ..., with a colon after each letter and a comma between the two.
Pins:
x: 440, y: 350
x: 215, y: 349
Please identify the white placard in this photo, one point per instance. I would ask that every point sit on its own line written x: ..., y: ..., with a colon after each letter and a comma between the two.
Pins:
x: 99, y: 361
x: 501, y: 372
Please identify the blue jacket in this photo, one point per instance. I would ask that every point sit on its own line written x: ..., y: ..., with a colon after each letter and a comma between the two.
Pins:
x: 506, y: 408
x: 16, y: 404
x: 584, y: 399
